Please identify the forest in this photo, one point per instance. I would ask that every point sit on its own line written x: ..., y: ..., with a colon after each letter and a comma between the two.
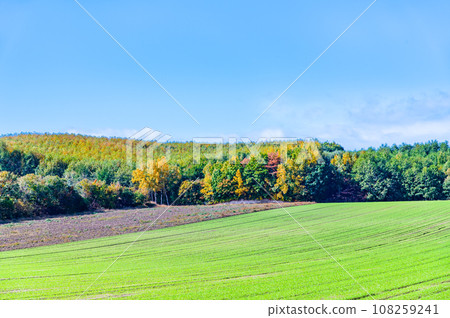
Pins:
x: 47, y: 174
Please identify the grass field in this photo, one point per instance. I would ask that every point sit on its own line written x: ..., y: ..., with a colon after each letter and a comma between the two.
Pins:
x: 89, y: 225
x: 394, y: 250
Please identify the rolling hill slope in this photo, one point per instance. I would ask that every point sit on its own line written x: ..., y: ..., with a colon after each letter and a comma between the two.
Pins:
x: 394, y: 250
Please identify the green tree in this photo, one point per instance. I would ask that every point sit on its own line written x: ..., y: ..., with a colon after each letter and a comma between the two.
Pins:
x: 446, y: 185
x: 321, y: 183
x: 190, y: 192
x: 52, y: 167
x: 256, y: 179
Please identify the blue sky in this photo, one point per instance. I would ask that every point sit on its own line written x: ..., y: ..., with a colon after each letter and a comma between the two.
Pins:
x: 386, y: 80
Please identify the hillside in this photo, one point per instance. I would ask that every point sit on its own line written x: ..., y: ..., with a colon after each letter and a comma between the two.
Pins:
x: 69, y: 146
x: 80, y: 147
x: 394, y: 250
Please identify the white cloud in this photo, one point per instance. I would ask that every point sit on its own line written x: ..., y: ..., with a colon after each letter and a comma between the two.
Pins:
x: 367, y: 122
x: 272, y: 133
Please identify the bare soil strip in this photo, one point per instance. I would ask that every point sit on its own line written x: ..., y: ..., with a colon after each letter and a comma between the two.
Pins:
x: 63, y: 229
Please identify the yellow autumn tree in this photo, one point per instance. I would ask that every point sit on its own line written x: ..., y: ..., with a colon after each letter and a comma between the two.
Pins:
x: 289, y: 184
x: 207, y: 189
x: 144, y: 181
x: 154, y: 179
x: 344, y: 162
x: 241, y: 190
x: 281, y: 186
x: 309, y: 153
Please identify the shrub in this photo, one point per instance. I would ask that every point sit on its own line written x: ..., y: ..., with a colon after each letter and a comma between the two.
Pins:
x: 94, y: 192
x: 9, y: 192
x: 8, y: 186
x: 139, y: 198
x: 6, y: 208
x: 190, y: 192
x: 34, y: 195
x: 61, y: 198
x: 113, y: 196
x: 48, y: 195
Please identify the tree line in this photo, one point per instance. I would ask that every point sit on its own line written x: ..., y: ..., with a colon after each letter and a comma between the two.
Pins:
x: 65, y: 180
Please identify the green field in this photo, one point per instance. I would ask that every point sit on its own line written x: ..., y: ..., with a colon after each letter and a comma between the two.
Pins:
x: 394, y: 250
